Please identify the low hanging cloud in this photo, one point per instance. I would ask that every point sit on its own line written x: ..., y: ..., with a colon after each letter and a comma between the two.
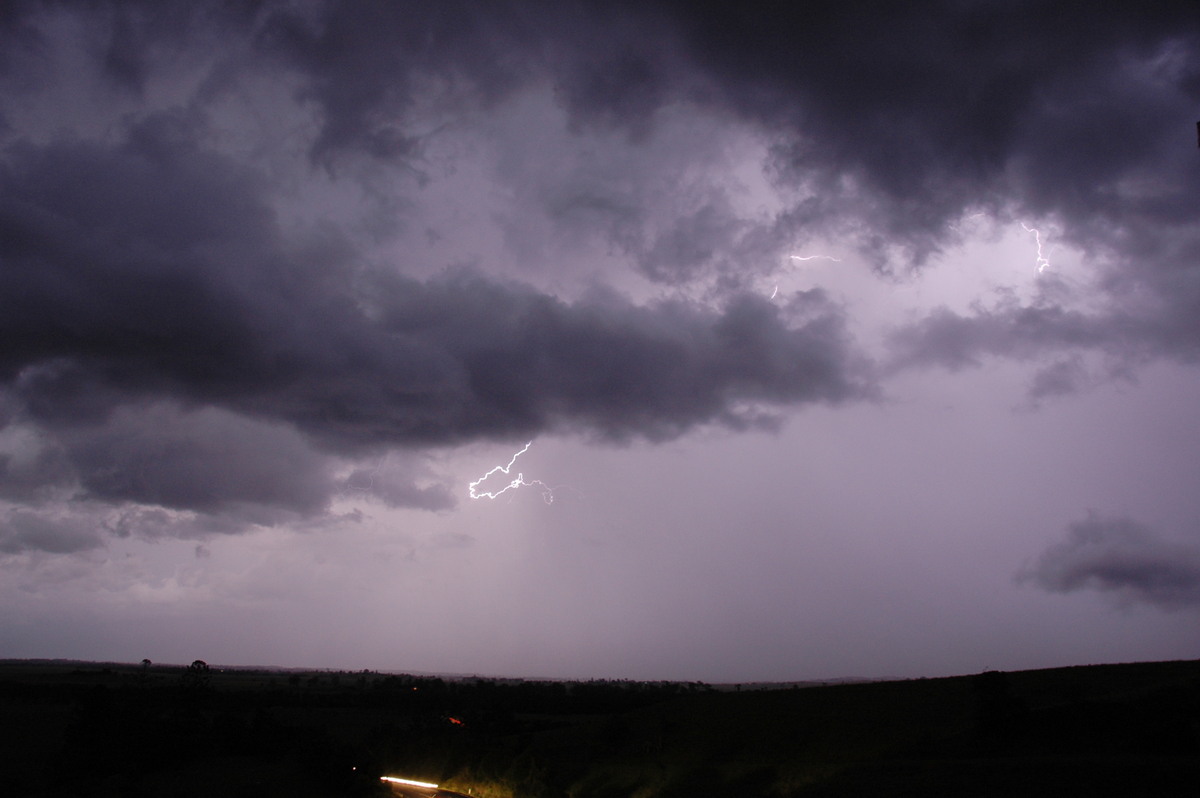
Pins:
x: 1123, y: 558
x: 206, y: 461
x: 396, y: 487
x: 167, y: 278
x: 1059, y: 338
x: 157, y: 470
x: 26, y: 531
x: 176, y: 355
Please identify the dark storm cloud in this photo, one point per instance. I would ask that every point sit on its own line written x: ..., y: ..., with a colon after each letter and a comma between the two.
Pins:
x: 154, y: 268
x: 17, y: 35
x: 366, y: 63
x: 34, y: 476
x: 902, y: 116
x: 1155, y: 325
x: 1122, y: 557
x: 144, y: 268
x: 22, y: 531
x: 464, y: 357
x: 363, y: 62
x: 153, y: 522
x: 1061, y: 378
x: 624, y: 89
x: 896, y: 121
x: 902, y: 119
x: 216, y: 472
x: 126, y: 40
x: 955, y: 341
x: 934, y: 108
x: 147, y: 279
x: 396, y: 490
x: 206, y: 461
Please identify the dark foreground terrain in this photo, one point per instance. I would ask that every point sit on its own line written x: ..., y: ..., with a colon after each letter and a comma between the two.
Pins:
x: 146, y: 730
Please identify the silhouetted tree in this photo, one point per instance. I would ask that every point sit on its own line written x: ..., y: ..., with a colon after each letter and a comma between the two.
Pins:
x: 197, y: 678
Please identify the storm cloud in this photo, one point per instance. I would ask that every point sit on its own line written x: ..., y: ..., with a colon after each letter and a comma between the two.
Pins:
x: 171, y: 342
x: 222, y: 294
x: 762, y: 282
x: 971, y: 110
x: 22, y: 531
x: 1121, y: 557
x: 153, y: 269
x: 1045, y: 112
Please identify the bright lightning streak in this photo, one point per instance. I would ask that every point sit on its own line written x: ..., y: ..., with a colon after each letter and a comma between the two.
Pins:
x: 815, y: 257
x: 519, y: 482
x: 1042, y: 262
x: 802, y: 258
x: 409, y: 782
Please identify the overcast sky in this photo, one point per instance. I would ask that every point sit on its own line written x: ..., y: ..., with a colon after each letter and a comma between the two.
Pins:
x: 846, y: 342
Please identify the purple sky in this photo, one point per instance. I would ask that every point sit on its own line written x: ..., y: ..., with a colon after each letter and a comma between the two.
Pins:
x: 849, y: 343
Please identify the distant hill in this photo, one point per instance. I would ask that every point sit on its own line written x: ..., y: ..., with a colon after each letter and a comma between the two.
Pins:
x: 122, y: 729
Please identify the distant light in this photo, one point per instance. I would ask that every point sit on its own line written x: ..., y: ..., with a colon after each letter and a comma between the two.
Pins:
x: 409, y: 782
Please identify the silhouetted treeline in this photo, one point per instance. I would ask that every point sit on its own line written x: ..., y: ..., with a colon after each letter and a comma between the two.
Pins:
x: 118, y: 728
x: 149, y: 730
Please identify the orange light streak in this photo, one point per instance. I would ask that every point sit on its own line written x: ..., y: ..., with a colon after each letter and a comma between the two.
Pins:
x: 409, y: 782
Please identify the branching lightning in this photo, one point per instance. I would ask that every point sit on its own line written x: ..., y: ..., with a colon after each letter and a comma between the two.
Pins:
x: 1042, y: 261
x: 518, y: 482
x: 364, y: 491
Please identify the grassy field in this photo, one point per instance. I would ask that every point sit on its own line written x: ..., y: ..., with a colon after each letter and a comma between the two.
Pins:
x: 132, y: 730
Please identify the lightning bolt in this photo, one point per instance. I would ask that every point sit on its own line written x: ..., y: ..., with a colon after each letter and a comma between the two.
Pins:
x: 371, y: 484
x: 815, y: 257
x: 775, y: 293
x: 1042, y: 262
x: 518, y: 482
x: 363, y: 492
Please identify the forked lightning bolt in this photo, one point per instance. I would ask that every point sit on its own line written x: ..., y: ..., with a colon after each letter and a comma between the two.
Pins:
x: 518, y: 482
x: 1042, y: 262
x: 370, y: 479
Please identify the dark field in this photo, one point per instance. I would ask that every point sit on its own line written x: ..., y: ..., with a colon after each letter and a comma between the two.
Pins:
x: 132, y: 730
